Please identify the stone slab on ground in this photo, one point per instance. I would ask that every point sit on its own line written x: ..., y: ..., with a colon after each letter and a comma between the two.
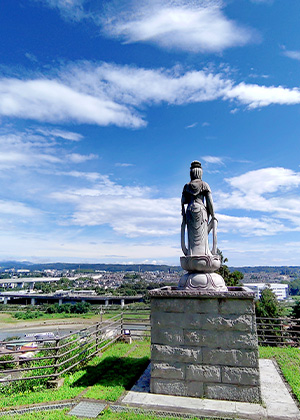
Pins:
x: 87, y: 409
x: 278, y: 404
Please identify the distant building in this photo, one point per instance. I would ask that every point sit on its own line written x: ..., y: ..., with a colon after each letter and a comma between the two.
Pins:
x: 279, y: 289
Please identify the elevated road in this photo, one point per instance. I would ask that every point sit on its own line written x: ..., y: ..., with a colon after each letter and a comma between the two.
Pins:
x: 65, y: 297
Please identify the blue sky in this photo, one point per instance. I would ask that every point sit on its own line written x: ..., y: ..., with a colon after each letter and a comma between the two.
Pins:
x: 104, y: 104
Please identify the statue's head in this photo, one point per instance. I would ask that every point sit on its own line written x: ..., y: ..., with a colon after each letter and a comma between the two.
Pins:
x: 196, y: 170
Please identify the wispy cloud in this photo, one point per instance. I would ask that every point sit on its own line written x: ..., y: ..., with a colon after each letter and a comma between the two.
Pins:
x: 78, y: 158
x: 295, y: 55
x: 129, y: 210
x: 213, y: 159
x: 192, y: 125
x: 187, y: 25
x: 271, y: 192
x: 106, y: 94
x: 124, y: 165
x: 197, y: 26
x: 67, y: 135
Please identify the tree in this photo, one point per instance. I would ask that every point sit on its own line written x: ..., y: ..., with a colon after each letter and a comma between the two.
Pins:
x: 294, y: 287
x: 268, y: 308
x: 231, y: 278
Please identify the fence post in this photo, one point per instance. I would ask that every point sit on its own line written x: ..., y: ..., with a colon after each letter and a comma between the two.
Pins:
x: 56, y: 356
x: 122, y: 323
x: 97, y: 335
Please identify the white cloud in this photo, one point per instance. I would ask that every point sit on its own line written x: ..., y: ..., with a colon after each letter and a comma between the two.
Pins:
x: 124, y: 165
x: 128, y: 210
x: 187, y: 25
x: 192, y: 125
x: 15, y: 208
x: 106, y: 94
x: 257, y: 96
x: 77, y: 158
x: 295, y: 55
x: 70, y: 9
x: 197, y: 26
x: 52, y: 101
x: 272, y: 192
x: 67, y: 135
x: 213, y: 159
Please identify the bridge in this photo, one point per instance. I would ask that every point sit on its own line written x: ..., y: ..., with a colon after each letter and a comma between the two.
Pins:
x: 24, y: 298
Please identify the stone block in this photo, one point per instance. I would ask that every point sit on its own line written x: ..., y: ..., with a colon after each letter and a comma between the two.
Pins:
x: 232, y: 339
x: 232, y: 393
x: 202, y: 306
x: 236, y: 306
x: 166, y: 370
x: 195, y: 389
x: 178, y: 320
x: 166, y: 353
x: 240, y: 376
x: 166, y: 387
x: 227, y: 323
x: 171, y: 336
x: 168, y: 305
x: 246, y: 358
x: 203, y: 373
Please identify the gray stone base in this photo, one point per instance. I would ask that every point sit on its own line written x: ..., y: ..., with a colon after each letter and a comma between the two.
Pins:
x: 204, y: 345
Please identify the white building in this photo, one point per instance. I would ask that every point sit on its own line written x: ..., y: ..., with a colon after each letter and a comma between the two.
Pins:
x: 279, y: 289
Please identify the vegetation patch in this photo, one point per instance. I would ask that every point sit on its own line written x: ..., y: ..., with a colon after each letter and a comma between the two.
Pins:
x: 288, y: 359
x: 106, y: 376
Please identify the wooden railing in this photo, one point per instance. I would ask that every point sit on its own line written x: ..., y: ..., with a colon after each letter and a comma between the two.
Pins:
x: 278, y: 331
x: 56, y: 356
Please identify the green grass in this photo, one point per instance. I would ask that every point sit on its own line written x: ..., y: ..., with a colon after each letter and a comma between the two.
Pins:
x: 288, y: 359
x: 107, y: 415
x: 105, y: 377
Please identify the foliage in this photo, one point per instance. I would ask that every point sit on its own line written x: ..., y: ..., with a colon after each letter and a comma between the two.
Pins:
x: 77, y: 308
x: 231, y: 278
x: 294, y: 287
x: 28, y: 314
x: 10, y: 362
x: 268, y: 305
x: 270, y: 329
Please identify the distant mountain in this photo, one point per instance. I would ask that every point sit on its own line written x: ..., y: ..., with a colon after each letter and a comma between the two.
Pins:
x: 4, y: 265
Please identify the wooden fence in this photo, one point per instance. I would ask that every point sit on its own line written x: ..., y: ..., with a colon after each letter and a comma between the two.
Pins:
x: 56, y: 356
x: 278, y: 331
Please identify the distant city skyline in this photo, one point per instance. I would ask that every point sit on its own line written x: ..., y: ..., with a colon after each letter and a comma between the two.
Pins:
x: 104, y: 105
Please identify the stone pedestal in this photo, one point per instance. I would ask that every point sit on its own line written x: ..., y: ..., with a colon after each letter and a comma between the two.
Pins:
x: 204, y: 344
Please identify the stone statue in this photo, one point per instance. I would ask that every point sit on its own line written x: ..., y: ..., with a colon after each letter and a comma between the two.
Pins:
x: 199, y: 219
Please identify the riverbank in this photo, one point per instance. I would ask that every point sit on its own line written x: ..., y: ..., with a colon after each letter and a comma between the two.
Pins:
x: 8, y: 322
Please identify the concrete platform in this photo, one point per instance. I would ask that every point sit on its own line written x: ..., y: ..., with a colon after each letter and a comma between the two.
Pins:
x: 277, y: 401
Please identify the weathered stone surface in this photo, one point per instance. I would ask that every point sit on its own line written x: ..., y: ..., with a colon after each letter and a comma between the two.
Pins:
x: 240, y: 376
x: 195, y: 389
x: 203, y: 373
x: 234, y: 306
x: 231, y: 339
x: 170, y: 320
x: 205, y: 347
x: 172, y: 336
x: 225, y: 323
x: 247, y: 358
x: 166, y: 370
x: 232, y: 392
x: 202, y: 306
x: 164, y: 386
x: 176, y: 354
x: 168, y: 305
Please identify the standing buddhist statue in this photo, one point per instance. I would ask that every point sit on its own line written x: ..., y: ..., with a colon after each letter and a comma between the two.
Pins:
x: 199, y: 220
